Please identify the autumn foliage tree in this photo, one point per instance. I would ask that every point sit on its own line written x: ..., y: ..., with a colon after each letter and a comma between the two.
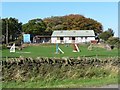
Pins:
x: 72, y: 22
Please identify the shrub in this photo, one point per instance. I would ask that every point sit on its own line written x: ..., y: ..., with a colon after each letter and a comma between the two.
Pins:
x: 113, y: 41
x: 4, y: 46
x: 19, y: 40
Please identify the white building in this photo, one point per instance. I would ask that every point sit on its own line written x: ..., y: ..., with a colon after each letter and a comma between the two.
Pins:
x: 72, y: 36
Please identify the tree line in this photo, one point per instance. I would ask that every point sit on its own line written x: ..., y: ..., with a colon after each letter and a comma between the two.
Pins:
x: 46, y: 26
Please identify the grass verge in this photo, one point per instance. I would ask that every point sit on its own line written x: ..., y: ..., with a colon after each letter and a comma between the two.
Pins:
x: 66, y: 83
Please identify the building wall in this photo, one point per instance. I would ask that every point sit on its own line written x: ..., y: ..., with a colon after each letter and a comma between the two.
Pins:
x: 66, y: 40
x: 54, y: 40
x: 69, y: 40
x: 91, y: 38
x: 83, y: 39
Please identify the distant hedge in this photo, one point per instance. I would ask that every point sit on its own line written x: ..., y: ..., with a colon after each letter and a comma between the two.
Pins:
x: 23, y: 69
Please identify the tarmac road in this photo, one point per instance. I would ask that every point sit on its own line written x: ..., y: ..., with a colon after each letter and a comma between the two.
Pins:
x: 110, y: 86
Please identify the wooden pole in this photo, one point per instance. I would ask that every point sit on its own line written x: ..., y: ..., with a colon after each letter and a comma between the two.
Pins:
x: 7, y: 32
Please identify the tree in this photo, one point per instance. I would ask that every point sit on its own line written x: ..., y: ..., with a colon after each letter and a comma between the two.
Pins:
x: 106, y: 34
x: 72, y: 22
x: 113, y: 40
x: 34, y: 26
x: 111, y: 31
x: 0, y: 26
x: 13, y: 27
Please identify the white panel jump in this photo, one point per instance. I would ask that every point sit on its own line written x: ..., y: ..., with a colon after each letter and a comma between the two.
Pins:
x: 77, y: 48
x: 60, y: 50
x: 12, y: 49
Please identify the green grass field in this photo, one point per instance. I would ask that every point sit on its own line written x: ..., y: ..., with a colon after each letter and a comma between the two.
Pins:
x: 49, y: 51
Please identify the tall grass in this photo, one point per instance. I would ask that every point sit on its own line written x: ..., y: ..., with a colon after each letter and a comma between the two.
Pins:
x: 59, y: 72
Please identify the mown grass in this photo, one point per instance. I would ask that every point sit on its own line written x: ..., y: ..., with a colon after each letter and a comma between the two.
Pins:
x: 54, y: 80
x: 49, y: 51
